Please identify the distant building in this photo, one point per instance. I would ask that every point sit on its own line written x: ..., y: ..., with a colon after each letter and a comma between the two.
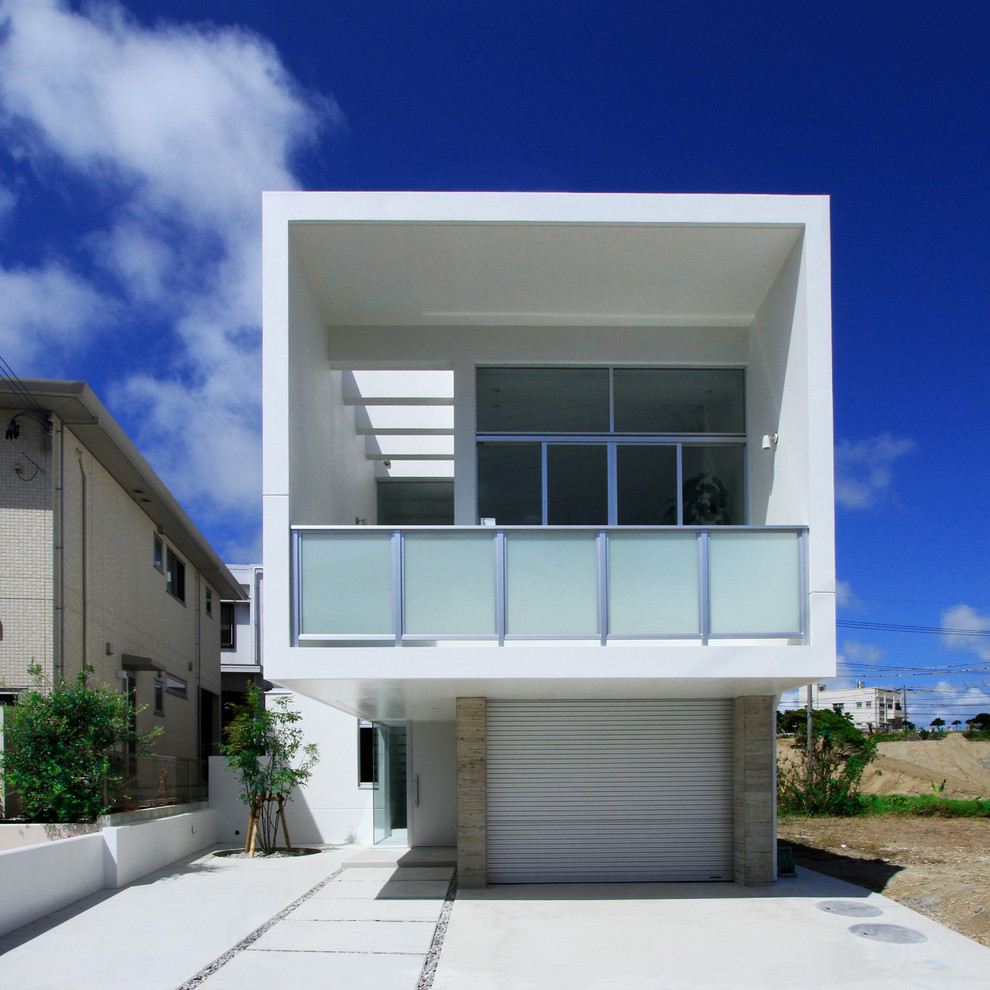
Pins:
x: 240, y: 638
x: 100, y: 566
x: 873, y: 709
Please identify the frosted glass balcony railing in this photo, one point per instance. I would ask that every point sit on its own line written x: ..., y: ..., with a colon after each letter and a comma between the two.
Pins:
x: 381, y: 585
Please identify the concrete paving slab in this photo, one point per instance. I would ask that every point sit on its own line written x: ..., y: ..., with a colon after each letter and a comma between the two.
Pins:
x: 350, y: 936
x: 703, y: 936
x: 398, y: 873
x: 398, y: 856
x: 157, y: 932
x: 350, y: 909
x: 255, y: 970
x: 386, y: 890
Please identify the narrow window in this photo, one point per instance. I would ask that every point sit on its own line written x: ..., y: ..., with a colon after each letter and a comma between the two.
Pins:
x: 159, y: 696
x: 209, y: 601
x: 176, y: 686
x: 158, y: 553
x: 228, y: 630
x: 366, y: 755
x: 175, y: 575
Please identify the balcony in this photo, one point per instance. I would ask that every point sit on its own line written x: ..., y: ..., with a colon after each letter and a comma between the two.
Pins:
x: 382, y: 586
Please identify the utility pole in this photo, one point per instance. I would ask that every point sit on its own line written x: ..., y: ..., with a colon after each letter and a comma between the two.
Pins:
x: 811, y: 750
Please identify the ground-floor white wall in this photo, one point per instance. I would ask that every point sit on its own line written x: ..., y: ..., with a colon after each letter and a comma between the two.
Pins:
x: 332, y: 809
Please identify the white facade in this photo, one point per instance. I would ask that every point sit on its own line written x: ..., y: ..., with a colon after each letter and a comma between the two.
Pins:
x: 873, y: 709
x: 100, y: 566
x: 396, y: 323
x: 335, y: 806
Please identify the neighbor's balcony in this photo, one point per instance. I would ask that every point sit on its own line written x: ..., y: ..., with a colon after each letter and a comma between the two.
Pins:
x: 381, y: 586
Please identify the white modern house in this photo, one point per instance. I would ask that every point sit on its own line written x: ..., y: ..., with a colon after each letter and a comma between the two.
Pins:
x: 872, y: 709
x: 548, y: 501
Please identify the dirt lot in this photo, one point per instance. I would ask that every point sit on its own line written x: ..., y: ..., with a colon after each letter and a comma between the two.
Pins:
x: 937, y: 866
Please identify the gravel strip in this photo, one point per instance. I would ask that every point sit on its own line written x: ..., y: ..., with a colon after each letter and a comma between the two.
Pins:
x: 209, y: 970
x: 433, y: 956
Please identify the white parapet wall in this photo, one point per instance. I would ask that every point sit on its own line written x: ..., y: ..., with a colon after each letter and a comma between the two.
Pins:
x: 42, y: 878
x: 37, y: 880
x: 136, y: 850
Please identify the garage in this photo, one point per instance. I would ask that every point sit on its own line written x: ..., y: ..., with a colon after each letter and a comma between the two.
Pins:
x: 609, y: 791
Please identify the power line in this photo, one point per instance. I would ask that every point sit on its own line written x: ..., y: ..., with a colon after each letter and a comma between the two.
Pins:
x: 900, y: 627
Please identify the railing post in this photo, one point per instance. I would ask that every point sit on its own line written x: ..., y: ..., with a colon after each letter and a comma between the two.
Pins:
x: 601, y: 541
x: 397, y: 579
x: 500, y: 590
x: 705, y: 589
x: 297, y: 591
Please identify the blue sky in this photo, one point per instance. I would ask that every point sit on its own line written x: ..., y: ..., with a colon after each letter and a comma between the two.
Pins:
x: 136, y: 140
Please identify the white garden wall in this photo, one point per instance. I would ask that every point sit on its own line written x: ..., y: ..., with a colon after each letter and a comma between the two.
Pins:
x: 42, y: 878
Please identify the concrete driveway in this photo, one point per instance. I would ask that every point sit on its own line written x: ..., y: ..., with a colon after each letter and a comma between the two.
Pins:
x: 699, y: 936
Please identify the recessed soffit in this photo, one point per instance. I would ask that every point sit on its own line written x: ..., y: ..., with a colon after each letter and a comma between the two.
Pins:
x: 398, y: 273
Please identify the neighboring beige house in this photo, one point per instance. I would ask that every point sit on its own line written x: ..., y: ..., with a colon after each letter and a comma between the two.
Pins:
x: 99, y: 565
x: 873, y: 709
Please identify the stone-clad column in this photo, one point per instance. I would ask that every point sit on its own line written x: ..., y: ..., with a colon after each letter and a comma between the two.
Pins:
x: 755, y: 790
x: 472, y: 792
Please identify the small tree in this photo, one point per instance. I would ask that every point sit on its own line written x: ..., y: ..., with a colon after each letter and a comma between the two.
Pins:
x: 956, y: 721
x: 979, y: 723
x: 840, y: 755
x: 262, y: 743
x: 937, y: 723
x: 62, y: 748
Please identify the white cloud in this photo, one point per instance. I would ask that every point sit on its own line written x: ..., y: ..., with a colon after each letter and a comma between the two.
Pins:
x: 846, y: 598
x: 949, y: 702
x: 864, y: 469
x: 862, y: 652
x: 965, y: 618
x: 47, y: 309
x: 181, y: 128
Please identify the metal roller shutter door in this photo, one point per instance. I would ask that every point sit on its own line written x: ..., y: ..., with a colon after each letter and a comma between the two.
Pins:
x: 609, y: 791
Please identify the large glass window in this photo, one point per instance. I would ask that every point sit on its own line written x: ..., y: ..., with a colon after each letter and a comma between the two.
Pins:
x: 679, y: 400
x: 613, y: 446
x: 543, y: 400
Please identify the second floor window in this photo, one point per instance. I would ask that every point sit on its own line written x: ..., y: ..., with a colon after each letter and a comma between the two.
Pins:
x: 228, y: 634
x: 611, y: 446
x: 175, y: 575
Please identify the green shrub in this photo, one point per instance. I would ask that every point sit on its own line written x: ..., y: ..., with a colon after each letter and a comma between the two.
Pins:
x: 840, y: 755
x: 63, y: 747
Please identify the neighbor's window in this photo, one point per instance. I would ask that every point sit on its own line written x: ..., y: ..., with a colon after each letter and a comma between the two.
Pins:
x: 158, y: 553
x: 209, y: 601
x: 228, y: 630
x: 159, y: 696
x: 175, y: 575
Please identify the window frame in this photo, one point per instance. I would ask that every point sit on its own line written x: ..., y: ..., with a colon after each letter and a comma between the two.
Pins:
x: 228, y: 608
x: 176, y: 686
x: 175, y: 575
x: 614, y: 440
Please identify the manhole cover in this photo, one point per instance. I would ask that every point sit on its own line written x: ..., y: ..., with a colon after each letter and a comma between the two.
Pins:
x: 888, y: 933
x: 851, y: 909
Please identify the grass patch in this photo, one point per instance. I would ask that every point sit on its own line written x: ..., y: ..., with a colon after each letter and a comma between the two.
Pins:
x: 924, y: 806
